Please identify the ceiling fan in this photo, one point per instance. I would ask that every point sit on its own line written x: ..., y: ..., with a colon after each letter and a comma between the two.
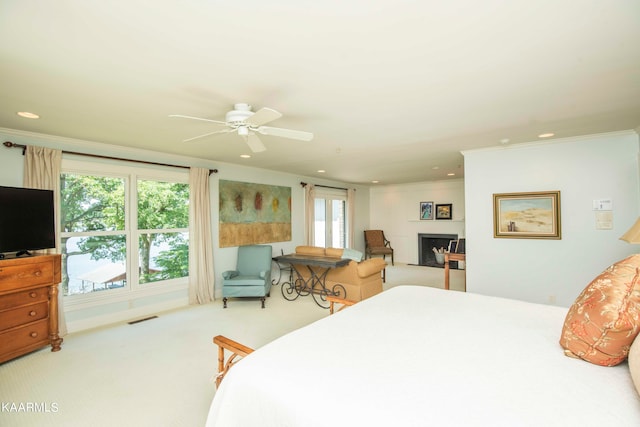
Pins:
x: 248, y: 124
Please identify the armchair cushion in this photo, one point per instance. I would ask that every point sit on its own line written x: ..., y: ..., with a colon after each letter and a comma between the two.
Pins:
x: 230, y: 274
x: 334, y: 252
x: 310, y: 250
x: 371, y: 266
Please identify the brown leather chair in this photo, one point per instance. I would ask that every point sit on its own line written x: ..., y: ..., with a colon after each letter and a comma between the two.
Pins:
x: 377, y: 244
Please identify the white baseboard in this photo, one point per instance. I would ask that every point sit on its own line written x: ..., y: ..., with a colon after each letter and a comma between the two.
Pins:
x: 126, y: 315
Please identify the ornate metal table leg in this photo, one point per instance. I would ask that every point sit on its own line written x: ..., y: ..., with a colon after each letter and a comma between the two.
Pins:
x: 276, y: 273
x: 292, y: 289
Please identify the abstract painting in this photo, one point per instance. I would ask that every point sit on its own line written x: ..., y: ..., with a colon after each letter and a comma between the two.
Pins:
x: 253, y: 213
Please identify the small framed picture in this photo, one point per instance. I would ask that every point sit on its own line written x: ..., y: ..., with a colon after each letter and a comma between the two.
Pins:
x: 462, y: 246
x: 426, y: 210
x: 453, y: 246
x: 444, y: 211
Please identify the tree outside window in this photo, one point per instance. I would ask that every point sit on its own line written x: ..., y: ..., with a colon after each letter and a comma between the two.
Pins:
x: 99, y: 231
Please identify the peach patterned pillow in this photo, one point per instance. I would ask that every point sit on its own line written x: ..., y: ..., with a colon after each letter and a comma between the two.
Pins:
x: 605, y: 318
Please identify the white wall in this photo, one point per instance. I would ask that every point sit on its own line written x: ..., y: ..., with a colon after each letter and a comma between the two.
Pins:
x: 601, y: 166
x: 11, y: 174
x: 395, y: 209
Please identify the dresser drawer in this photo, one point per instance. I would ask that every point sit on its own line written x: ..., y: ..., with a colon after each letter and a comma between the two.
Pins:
x: 23, y: 339
x: 20, y: 276
x: 31, y: 296
x: 23, y: 315
x: 29, y: 304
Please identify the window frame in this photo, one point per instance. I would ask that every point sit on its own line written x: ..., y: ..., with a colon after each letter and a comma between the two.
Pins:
x: 329, y: 195
x: 131, y: 174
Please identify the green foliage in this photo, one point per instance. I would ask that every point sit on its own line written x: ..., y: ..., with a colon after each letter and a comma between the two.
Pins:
x: 97, y: 203
x: 161, y: 205
x: 91, y: 203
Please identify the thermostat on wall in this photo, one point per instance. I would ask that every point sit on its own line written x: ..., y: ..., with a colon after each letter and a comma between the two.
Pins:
x: 604, y: 220
x: 603, y: 205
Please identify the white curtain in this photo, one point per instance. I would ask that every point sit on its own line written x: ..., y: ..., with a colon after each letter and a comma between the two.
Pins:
x: 201, y: 274
x: 42, y: 170
x: 351, y: 214
x: 309, y: 213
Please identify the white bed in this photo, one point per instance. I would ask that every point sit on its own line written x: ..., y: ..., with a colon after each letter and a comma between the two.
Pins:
x: 417, y: 356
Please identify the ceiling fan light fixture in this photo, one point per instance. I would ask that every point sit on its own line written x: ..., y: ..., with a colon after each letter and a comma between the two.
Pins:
x: 239, y: 114
x: 247, y: 124
x: 28, y: 115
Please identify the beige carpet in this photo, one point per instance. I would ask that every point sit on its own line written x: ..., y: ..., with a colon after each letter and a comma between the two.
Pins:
x: 158, y: 372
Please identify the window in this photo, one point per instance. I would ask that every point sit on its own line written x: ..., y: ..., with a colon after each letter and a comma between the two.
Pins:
x: 163, y: 221
x: 330, y: 218
x: 123, y: 230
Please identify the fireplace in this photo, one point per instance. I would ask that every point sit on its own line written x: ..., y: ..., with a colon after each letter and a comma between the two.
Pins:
x: 426, y: 243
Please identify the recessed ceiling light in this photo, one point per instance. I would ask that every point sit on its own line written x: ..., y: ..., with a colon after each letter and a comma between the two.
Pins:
x: 435, y: 168
x: 546, y: 135
x: 375, y: 181
x: 504, y: 141
x: 451, y: 174
x: 245, y: 156
x: 321, y: 171
x: 28, y: 115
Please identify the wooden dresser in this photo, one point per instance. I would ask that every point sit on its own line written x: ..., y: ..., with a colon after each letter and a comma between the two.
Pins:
x: 29, y: 305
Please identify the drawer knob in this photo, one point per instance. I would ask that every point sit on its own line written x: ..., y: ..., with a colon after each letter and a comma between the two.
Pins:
x: 32, y: 313
x: 33, y: 294
x: 38, y: 273
x: 33, y: 334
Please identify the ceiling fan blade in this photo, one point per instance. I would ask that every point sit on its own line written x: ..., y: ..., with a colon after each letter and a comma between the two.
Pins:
x: 207, y: 134
x: 197, y: 118
x: 254, y: 142
x: 285, y: 133
x: 262, y: 116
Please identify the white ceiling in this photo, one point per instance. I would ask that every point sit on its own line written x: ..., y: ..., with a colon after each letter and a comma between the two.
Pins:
x: 391, y: 89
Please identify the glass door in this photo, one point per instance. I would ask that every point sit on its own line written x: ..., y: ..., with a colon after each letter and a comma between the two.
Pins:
x: 330, y: 222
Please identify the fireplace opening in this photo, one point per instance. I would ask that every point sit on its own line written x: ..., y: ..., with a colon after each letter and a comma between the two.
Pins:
x: 426, y: 243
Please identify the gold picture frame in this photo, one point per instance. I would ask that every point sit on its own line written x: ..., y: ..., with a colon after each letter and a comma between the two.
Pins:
x: 532, y: 215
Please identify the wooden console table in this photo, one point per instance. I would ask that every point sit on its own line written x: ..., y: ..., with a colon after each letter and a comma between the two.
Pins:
x: 453, y: 257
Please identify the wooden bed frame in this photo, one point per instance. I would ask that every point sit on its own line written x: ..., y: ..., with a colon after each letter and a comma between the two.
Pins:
x: 238, y: 351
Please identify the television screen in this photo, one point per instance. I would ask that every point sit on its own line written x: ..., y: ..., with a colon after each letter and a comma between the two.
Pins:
x: 26, y: 219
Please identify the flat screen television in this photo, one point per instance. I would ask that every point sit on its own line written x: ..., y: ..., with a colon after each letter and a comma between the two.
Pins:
x: 26, y: 220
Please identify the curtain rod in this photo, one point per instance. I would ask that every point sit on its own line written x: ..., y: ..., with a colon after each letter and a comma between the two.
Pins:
x: 10, y: 144
x: 304, y: 184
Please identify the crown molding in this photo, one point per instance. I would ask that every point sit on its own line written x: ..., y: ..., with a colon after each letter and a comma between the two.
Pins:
x: 101, y: 148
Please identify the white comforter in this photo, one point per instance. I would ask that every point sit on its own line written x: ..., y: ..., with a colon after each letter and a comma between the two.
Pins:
x: 416, y: 356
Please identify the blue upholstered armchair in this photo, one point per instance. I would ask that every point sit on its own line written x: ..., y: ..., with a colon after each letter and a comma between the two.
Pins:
x: 252, y: 276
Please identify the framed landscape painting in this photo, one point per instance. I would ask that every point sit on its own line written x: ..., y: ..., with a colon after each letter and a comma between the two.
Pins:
x: 444, y: 211
x: 533, y: 215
